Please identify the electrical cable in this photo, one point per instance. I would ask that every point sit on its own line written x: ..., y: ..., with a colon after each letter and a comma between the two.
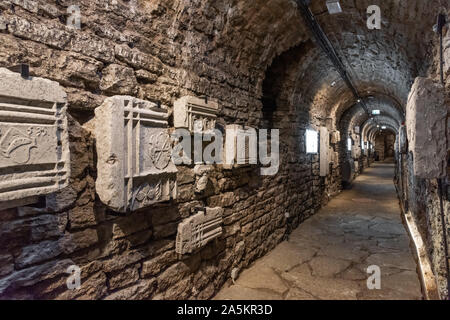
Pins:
x: 325, y: 44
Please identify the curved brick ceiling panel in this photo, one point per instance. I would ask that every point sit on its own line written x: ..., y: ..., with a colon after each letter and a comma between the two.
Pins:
x: 248, y: 35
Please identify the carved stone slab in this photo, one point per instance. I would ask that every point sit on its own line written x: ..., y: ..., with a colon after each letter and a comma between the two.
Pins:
x: 196, y: 231
x: 238, y: 140
x: 190, y: 111
x: 324, y: 152
x: 135, y: 168
x: 335, y: 137
x: 402, y: 140
x: 426, y: 117
x: 348, y: 170
x: 34, y: 144
x: 356, y: 152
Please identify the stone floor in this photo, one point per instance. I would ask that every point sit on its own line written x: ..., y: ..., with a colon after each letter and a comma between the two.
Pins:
x: 327, y: 256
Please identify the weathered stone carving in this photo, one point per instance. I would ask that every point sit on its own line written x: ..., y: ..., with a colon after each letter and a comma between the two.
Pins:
x: 196, y: 231
x: 348, y: 170
x: 402, y: 140
x: 202, y: 179
x: 426, y: 116
x: 135, y: 169
x: 335, y: 137
x: 356, y: 150
x: 324, y: 152
x: 190, y: 112
x: 34, y: 144
x: 240, y: 146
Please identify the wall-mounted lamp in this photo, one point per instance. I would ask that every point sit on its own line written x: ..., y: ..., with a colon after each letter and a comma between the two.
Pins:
x: 376, y: 112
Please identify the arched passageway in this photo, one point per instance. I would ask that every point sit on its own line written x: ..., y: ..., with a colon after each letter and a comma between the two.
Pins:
x: 92, y: 98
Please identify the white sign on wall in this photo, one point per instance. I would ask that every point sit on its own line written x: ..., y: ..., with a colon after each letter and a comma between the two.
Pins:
x: 312, y: 141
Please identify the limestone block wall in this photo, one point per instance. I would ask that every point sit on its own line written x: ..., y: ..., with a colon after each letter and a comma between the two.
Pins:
x: 134, y: 48
x: 420, y: 195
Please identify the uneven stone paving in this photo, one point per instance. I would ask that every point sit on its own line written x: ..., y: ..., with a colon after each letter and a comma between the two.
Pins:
x: 327, y: 256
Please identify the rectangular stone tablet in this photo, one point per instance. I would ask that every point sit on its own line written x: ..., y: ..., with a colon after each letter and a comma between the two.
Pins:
x: 34, y: 144
x: 196, y: 231
x: 134, y: 149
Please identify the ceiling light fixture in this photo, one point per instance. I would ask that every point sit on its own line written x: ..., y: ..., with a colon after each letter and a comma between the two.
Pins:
x: 334, y: 6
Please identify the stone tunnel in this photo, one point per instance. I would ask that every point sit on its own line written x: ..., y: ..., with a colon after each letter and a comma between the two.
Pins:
x: 265, y: 149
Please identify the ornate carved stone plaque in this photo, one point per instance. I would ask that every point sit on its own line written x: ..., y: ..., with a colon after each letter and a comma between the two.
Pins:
x: 34, y: 144
x: 135, y: 169
x: 402, y: 140
x: 335, y: 137
x: 195, y: 114
x: 324, y: 152
x: 241, y: 146
x: 196, y: 231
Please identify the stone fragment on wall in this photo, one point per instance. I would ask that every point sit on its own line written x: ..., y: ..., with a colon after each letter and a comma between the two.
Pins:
x: 34, y: 144
x: 202, y: 179
x: 335, y: 137
x: 324, y: 152
x: 426, y: 115
x: 446, y: 44
x: 402, y: 140
x: 190, y: 112
x: 196, y: 231
x: 348, y: 170
x: 240, y: 146
x: 356, y: 152
x: 135, y: 168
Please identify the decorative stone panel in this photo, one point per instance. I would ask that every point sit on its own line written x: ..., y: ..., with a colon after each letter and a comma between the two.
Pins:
x: 135, y: 168
x: 34, y: 144
x: 231, y: 150
x: 324, y: 152
x: 348, y: 170
x: 196, y: 231
x: 190, y: 111
x: 426, y: 116
x: 356, y: 152
x: 335, y: 137
x: 402, y: 140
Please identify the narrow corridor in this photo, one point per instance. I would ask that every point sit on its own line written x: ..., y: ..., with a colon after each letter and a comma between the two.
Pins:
x: 328, y: 255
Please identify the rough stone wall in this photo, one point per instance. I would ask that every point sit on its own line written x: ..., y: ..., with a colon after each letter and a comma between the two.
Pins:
x: 134, y: 48
x: 421, y: 196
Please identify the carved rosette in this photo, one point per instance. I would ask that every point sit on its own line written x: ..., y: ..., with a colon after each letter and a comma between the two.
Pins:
x: 134, y: 133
